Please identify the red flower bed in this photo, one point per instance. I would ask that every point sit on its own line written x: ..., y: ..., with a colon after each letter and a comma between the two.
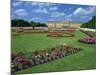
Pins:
x: 55, y: 34
x: 60, y: 34
x: 21, y: 61
x: 88, y: 40
x: 71, y: 30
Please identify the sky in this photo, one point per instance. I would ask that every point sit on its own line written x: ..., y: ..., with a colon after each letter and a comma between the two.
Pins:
x: 44, y: 12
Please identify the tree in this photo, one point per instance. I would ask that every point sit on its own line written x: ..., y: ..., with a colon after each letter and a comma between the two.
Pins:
x: 23, y: 23
x: 20, y: 23
x: 33, y: 24
x: 41, y: 25
x: 90, y: 24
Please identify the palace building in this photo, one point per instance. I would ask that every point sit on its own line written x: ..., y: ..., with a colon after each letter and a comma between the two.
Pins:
x: 63, y: 24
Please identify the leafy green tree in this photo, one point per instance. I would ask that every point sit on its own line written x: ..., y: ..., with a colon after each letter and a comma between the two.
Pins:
x: 41, y: 25
x: 90, y: 24
x: 20, y: 23
x: 33, y: 24
x: 23, y: 23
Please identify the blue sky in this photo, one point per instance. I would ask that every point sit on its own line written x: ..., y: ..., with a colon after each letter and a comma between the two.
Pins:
x: 44, y: 12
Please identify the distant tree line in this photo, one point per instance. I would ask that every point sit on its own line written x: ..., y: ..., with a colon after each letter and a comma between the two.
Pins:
x: 37, y: 24
x: 24, y: 23
x: 90, y: 24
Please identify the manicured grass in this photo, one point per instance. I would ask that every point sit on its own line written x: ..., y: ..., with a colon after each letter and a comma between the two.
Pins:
x: 85, y: 59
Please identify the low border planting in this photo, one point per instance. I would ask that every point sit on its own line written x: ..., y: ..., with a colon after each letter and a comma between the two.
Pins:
x: 20, y: 61
x: 89, y: 33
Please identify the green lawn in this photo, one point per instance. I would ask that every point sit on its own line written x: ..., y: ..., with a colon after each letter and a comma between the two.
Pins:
x: 85, y: 59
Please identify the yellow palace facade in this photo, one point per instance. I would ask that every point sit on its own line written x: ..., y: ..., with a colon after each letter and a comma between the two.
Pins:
x: 62, y: 24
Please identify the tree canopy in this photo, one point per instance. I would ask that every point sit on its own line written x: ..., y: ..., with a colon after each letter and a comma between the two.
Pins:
x: 20, y: 23
x: 90, y: 24
x: 23, y: 23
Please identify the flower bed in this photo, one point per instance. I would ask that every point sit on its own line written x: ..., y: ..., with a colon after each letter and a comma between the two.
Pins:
x: 71, y: 30
x: 88, y: 40
x: 68, y: 30
x: 37, y: 31
x: 67, y: 33
x: 21, y: 61
x: 89, y: 33
x: 60, y: 34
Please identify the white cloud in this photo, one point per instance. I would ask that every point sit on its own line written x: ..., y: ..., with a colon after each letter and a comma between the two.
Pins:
x: 40, y: 4
x: 91, y: 10
x: 41, y: 10
x: 70, y: 15
x: 20, y: 12
x: 68, y: 9
x: 84, y: 17
x: 37, y: 19
x: 69, y: 19
x: 17, y: 3
x: 57, y: 14
x: 53, y: 8
x: 82, y: 11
